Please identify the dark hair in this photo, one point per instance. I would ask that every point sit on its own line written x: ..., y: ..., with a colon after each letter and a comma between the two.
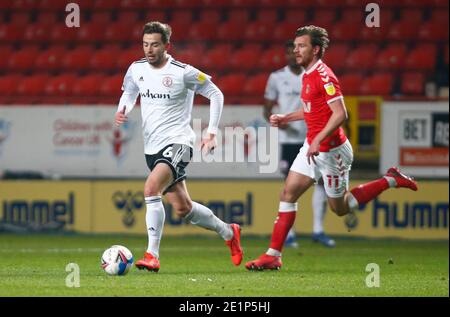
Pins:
x: 318, y: 35
x: 157, y: 27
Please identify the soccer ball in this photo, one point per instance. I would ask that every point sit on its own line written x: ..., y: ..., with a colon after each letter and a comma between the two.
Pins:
x: 117, y: 260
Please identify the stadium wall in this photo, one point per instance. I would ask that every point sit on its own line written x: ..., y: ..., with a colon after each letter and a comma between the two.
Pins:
x: 118, y: 207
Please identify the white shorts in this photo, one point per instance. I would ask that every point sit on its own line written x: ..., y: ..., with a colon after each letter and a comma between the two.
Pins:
x: 334, y: 167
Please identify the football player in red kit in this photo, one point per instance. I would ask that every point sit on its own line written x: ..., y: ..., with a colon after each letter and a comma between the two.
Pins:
x: 327, y: 153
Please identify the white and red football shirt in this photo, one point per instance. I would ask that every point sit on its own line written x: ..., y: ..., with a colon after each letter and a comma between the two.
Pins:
x: 320, y: 88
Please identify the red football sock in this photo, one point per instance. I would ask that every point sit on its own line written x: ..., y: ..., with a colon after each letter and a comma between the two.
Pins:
x: 366, y: 192
x: 283, y: 224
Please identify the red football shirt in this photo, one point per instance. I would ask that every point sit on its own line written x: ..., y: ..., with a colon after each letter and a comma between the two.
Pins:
x: 320, y: 88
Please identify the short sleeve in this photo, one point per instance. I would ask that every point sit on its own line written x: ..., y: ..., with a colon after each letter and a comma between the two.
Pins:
x: 271, y: 92
x: 331, y: 89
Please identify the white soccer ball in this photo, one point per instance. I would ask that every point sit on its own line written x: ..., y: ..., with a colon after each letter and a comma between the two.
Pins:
x: 117, y: 260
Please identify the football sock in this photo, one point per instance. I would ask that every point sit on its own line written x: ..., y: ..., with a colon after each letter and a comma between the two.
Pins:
x: 283, y: 223
x: 203, y: 217
x: 319, y: 204
x: 366, y: 192
x: 154, y: 219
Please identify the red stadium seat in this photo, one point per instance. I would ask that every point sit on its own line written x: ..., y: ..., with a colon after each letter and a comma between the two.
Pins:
x: 230, y: 31
x: 324, y: 17
x: 403, y: 31
x: 101, y: 17
x: 439, y: 15
x: 272, y: 59
x: 132, y: 4
x: 238, y: 15
x: 374, y: 34
x: 37, y: 33
x: 60, y: 33
x: 378, y: 84
x: 272, y: 3
x: 187, y: 56
x: 77, y: 59
x: 187, y: 4
x: 232, y: 85
x: 353, y: 15
x: 210, y: 15
x: 6, y: 4
x: 244, y: 3
x: 24, y: 5
x: 256, y: 85
x: 50, y: 59
x: 117, y: 32
x: 5, y: 54
x: 295, y: 16
x: 103, y: 60
x: 156, y: 15
x: 44, y: 17
x: 90, y: 32
x: 20, y: 18
x: 433, y: 31
x: 258, y: 31
x: 128, y: 17
x: 10, y: 33
x: 202, y: 31
x: 159, y: 4
x: 344, y: 31
x: 216, y: 4
x: 112, y: 86
x: 32, y: 85
x: 284, y: 31
x: 182, y: 15
x: 125, y: 58
x: 55, y: 5
x: 423, y: 57
x: 267, y: 15
x: 106, y: 4
x: 179, y: 30
x: 9, y: 83
x: 244, y: 59
x: 336, y: 55
x: 217, y: 58
x: 351, y: 83
x: 22, y: 60
x: 88, y: 85
x: 413, y: 83
x: 362, y: 57
x: 412, y: 15
x: 60, y: 85
x: 392, y: 57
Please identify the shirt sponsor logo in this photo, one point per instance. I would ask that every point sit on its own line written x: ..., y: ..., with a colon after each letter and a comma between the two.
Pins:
x: 151, y: 95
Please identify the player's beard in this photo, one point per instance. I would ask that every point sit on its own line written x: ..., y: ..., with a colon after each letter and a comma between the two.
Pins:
x: 157, y: 61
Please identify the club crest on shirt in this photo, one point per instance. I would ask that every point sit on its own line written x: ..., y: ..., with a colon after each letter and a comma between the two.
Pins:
x: 329, y: 88
x: 167, y: 81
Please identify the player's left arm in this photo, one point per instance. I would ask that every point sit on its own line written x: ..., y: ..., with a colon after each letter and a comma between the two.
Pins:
x: 203, y: 85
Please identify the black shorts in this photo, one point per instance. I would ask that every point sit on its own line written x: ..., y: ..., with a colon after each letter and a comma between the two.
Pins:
x: 288, y: 154
x: 176, y: 156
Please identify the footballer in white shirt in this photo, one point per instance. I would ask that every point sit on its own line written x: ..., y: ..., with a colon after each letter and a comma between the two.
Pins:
x: 167, y: 87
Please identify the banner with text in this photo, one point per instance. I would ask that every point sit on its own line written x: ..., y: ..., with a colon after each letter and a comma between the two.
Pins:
x: 118, y: 207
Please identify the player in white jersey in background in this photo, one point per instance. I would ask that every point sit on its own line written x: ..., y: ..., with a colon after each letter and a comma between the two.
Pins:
x: 167, y: 89
x: 283, y: 89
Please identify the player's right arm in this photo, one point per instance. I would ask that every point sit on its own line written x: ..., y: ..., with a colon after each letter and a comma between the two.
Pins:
x: 281, y: 120
x: 128, y: 98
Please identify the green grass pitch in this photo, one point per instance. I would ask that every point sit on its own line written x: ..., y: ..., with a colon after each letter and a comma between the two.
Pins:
x: 35, y: 265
